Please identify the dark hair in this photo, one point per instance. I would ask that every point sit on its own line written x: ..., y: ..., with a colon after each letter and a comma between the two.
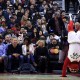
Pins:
x: 27, y: 38
x: 1, y: 37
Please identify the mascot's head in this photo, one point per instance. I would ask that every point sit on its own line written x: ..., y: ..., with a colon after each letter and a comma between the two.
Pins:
x: 73, y: 67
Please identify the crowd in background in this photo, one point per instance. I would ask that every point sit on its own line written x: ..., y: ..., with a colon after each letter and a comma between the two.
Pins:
x: 31, y: 30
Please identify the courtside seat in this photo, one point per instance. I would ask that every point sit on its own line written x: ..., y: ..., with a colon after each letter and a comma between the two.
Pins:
x: 1, y: 67
x: 53, y: 63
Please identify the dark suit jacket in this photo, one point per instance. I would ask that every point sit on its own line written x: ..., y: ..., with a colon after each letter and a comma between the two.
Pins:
x: 11, y: 49
x: 52, y: 26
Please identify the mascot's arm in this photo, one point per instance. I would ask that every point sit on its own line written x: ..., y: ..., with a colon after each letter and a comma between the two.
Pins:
x: 71, y: 32
x: 70, y: 25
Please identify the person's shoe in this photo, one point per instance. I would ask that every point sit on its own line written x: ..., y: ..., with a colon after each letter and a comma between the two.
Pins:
x: 5, y: 71
x: 9, y: 71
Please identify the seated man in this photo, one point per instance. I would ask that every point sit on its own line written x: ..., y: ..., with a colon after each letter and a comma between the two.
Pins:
x: 2, y: 54
x: 14, y: 53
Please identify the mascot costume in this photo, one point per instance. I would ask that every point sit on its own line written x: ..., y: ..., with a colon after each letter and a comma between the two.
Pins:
x: 73, y: 58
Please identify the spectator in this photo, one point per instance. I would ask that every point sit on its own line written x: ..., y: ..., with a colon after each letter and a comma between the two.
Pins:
x: 55, y: 6
x: 19, y: 13
x: 35, y: 34
x: 27, y: 52
x: 41, y: 55
x: 3, y: 26
x: 7, y: 39
x: 12, y: 22
x: 3, y: 57
x: 41, y: 34
x: 30, y: 29
x: 43, y: 26
x: 14, y: 53
x: 56, y: 24
x: 2, y: 4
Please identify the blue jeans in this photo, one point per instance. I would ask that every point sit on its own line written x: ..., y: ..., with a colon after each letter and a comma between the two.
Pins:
x: 29, y: 58
x: 12, y: 59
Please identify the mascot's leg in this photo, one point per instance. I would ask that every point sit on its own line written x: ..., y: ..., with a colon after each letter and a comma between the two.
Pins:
x: 66, y: 62
x: 79, y: 66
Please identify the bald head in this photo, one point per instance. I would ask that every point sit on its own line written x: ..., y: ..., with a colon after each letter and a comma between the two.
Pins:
x: 77, y: 25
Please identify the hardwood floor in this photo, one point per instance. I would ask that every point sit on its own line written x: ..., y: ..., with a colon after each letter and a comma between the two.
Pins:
x: 37, y: 77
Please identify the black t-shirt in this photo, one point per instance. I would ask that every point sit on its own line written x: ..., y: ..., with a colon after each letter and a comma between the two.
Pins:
x: 11, y: 49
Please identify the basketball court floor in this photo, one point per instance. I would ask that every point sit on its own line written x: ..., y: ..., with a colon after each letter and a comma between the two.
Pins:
x: 38, y: 77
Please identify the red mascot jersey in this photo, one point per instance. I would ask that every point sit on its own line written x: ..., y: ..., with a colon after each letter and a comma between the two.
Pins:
x: 74, y: 43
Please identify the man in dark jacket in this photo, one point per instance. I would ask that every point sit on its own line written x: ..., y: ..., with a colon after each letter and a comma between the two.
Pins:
x: 14, y: 52
x: 55, y: 25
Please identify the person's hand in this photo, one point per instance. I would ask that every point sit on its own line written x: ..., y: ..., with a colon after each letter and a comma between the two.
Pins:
x: 42, y: 56
x: 29, y: 52
x: 16, y: 55
x: 1, y: 59
x: 57, y: 47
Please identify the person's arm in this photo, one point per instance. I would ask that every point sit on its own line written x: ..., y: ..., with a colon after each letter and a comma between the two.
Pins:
x: 49, y: 25
x: 32, y: 49
x: 20, y: 50
x: 4, y: 51
x: 9, y: 50
x: 24, y: 50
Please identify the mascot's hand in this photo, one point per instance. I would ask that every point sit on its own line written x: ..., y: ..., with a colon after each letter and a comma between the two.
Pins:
x: 70, y: 15
x: 63, y: 76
